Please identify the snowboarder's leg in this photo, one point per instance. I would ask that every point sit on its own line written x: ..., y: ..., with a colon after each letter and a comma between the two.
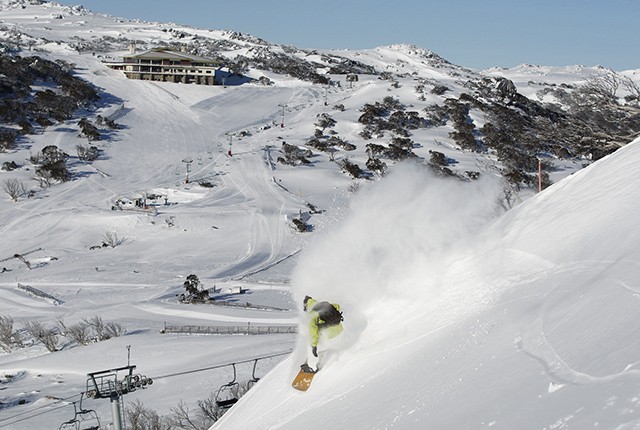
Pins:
x: 312, y: 360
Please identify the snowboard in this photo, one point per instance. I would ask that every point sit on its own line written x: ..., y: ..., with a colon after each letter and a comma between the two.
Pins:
x: 303, y: 379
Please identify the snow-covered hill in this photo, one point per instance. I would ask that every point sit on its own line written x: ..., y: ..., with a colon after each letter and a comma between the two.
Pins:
x: 458, y: 315
x: 530, y: 324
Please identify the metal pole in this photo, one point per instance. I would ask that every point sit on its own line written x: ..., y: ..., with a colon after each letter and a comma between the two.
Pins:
x: 283, y: 106
x: 115, y: 412
x: 188, y: 162
x: 539, y: 175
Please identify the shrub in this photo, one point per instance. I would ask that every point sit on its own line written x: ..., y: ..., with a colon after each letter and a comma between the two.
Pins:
x: 52, y: 164
x: 372, y: 111
x: 80, y: 333
x: 194, y: 291
x: 207, y: 413
x: 8, y: 337
x: 48, y: 337
x: 341, y: 143
x: 374, y: 150
x: 391, y: 103
x: 295, y: 155
x: 112, y: 239
x: 318, y: 144
x: 14, y: 188
x: 139, y: 417
x: 102, y: 330
x: 57, y: 171
x: 43, y: 121
x: 101, y: 120
x: 377, y: 166
x: 192, y: 285
x: 464, y: 127
x: 87, y: 154
x: 438, y: 158
x: 325, y: 121
x: 9, y: 166
x: 89, y: 130
x: 439, y: 90
x: 436, y: 115
x: 7, y: 138
x: 352, y: 168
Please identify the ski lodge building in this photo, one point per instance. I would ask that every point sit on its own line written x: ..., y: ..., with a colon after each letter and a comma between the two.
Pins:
x: 164, y: 65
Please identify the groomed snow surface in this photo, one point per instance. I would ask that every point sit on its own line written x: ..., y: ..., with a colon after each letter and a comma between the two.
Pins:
x: 458, y: 315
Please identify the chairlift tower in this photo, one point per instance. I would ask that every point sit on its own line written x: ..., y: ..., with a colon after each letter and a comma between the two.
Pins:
x: 230, y: 134
x: 283, y: 106
x: 187, y: 161
x: 106, y: 385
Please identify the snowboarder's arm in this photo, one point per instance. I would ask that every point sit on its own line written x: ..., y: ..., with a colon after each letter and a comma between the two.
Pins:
x: 314, y: 331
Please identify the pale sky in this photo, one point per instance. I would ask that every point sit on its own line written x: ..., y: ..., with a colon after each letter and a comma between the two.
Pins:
x: 472, y: 33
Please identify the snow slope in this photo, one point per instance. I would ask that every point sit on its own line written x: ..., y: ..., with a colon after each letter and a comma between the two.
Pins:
x: 533, y: 324
x: 458, y: 316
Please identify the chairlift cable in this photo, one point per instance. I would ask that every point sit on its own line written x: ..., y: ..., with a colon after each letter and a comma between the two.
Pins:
x: 186, y: 372
x: 38, y: 408
x: 3, y: 420
x: 31, y: 416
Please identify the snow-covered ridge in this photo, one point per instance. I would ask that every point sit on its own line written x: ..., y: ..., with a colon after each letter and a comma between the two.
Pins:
x: 456, y: 316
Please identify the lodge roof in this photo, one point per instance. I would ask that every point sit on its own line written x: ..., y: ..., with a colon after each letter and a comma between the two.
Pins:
x: 167, y: 54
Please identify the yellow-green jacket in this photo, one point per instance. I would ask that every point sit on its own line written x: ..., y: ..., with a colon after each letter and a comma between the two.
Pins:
x: 317, y: 324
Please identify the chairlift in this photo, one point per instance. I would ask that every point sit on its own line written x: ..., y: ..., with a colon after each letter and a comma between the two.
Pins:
x: 227, y: 394
x: 83, y: 419
x: 253, y: 379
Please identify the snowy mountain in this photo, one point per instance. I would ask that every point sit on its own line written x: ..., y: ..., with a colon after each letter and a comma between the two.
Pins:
x: 470, y: 301
x: 528, y: 322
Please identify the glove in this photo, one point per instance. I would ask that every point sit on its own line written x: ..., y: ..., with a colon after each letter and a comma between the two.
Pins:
x: 314, y: 351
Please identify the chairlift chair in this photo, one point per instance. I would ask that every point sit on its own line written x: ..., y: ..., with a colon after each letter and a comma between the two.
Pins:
x: 227, y: 394
x: 83, y: 419
x: 253, y: 379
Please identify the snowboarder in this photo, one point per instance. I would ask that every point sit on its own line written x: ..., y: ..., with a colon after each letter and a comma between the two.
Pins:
x: 325, y: 322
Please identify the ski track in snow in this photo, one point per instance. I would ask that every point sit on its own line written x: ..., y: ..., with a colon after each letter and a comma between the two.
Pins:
x: 535, y: 343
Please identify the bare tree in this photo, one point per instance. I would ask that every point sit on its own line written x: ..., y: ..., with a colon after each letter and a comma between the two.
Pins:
x: 44, y: 179
x: 633, y: 88
x: 80, y: 333
x: 112, y: 239
x: 48, y: 337
x: 509, y: 193
x: 601, y: 89
x: 113, y: 329
x: 140, y: 417
x: 102, y: 330
x: 182, y: 417
x: 97, y: 325
x: 8, y: 337
x: 14, y: 188
x: 87, y: 154
x: 209, y: 409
